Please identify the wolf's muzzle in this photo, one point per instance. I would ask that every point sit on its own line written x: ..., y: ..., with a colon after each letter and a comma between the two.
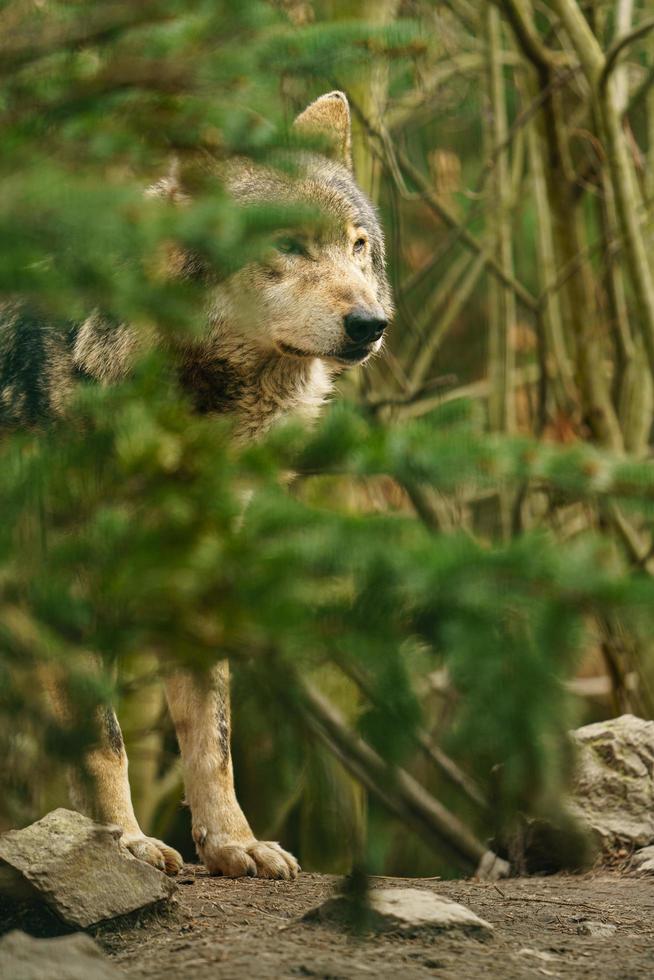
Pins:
x: 364, y: 328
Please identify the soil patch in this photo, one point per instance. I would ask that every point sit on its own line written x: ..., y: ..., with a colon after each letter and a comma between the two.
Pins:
x: 252, y: 928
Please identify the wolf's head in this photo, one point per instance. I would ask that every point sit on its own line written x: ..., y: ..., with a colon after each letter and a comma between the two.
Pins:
x: 323, y: 292
x: 278, y: 328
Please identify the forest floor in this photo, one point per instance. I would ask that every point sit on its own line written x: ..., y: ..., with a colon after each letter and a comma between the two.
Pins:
x: 250, y: 928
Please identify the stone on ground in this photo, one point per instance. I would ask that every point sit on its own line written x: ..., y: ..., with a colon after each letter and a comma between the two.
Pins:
x: 66, y: 958
x: 79, y: 869
x: 598, y: 930
x: 406, y: 910
x: 614, y: 785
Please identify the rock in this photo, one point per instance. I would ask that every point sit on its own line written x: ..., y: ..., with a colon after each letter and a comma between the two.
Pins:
x: 66, y: 958
x: 598, y: 930
x: 610, y: 807
x: 79, y: 869
x: 537, y: 954
x: 405, y: 910
x: 614, y: 785
x: 643, y: 860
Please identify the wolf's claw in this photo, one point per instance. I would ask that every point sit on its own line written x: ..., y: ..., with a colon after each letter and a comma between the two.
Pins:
x: 258, y: 859
x: 154, y: 852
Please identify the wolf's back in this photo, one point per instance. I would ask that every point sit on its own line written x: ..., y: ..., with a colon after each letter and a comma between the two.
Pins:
x: 35, y: 366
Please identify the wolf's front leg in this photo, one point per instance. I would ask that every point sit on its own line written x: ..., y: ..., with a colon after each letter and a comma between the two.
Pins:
x: 99, y: 786
x: 224, y: 841
x: 100, y: 789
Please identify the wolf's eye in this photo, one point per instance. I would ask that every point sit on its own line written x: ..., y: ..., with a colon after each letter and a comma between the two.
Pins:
x: 359, y: 245
x: 291, y: 246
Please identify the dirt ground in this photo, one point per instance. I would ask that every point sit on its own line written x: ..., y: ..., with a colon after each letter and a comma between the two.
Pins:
x: 225, y: 929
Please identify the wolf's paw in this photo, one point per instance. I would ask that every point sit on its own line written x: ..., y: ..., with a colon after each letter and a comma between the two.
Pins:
x: 258, y: 859
x: 154, y: 852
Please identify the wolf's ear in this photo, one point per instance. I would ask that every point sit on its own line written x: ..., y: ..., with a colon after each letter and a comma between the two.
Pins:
x: 330, y: 116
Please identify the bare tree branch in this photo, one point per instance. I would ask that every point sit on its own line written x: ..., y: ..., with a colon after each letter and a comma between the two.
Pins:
x: 618, y: 47
x: 397, y: 790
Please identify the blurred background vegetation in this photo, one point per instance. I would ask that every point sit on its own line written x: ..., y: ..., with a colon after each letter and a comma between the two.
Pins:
x: 461, y: 568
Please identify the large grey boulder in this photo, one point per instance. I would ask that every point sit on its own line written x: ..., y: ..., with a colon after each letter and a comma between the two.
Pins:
x: 643, y: 860
x: 410, y: 911
x: 613, y: 793
x: 79, y: 869
x: 66, y: 958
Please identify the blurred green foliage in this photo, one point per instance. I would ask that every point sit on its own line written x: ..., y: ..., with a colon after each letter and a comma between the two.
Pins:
x: 122, y: 529
x: 123, y: 534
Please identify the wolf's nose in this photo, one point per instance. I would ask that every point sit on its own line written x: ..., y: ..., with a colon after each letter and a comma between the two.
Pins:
x: 363, y: 328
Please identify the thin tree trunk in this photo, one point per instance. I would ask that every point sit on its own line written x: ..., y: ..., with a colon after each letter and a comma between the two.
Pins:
x: 581, y: 315
x: 501, y: 405
x: 597, y: 71
x: 631, y: 378
x: 558, y: 364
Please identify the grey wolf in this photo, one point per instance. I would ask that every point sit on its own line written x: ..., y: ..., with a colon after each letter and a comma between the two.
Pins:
x: 278, y: 332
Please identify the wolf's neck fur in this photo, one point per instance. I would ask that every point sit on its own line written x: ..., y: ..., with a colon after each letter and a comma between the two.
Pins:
x: 220, y: 374
x: 254, y: 388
